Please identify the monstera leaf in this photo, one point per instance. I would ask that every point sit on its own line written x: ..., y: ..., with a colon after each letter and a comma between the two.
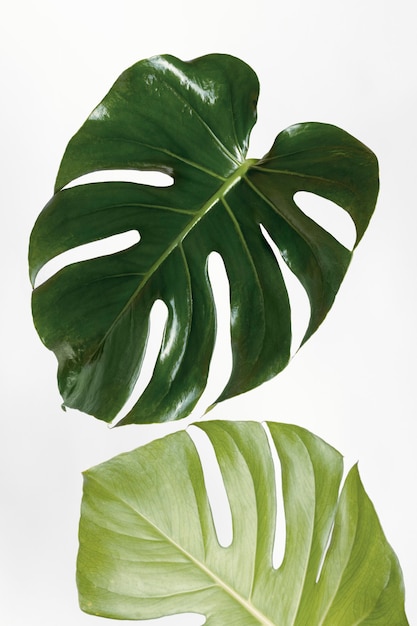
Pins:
x: 148, y: 545
x: 191, y: 120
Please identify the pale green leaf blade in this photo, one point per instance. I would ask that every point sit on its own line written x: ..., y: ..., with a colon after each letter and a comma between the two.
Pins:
x: 148, y: 545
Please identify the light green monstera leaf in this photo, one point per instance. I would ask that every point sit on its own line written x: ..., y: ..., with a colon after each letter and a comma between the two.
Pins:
x: 148, y: 544
x: 191, y: 120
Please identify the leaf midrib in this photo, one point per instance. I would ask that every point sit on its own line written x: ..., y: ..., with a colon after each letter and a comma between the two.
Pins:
x: 245, y: 604
x: 223, y: 190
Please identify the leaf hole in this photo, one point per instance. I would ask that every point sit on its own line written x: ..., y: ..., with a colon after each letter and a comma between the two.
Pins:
x: 216, y: 491
x: 329, y: 216
x: 346, y: 470
x: 278, y: 550
x: 157, y: 320
x: 151, y: 177
x: 221, y: 360
x: 299, y: 302
x: 87, y: 251
x: 325, y: 551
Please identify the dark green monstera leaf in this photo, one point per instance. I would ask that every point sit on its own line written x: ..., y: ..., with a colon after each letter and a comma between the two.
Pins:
x: 191, y: 120
x: 148, y: 544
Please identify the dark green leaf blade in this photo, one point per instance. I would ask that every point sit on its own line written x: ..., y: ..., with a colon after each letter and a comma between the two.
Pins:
x: 148, y: 546
x: 167, y: 114
x: 193, y: 121
x: 325, y: 160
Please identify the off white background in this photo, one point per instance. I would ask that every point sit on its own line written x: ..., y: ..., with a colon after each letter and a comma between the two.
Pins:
x: 348, y: 63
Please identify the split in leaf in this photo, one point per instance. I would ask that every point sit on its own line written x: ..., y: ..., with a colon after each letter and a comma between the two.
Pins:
x: 148, y: 544
x: 191, y: 120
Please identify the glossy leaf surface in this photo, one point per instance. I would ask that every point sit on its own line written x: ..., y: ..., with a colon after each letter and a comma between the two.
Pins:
x: 148, y: 545
x: 191, y: 120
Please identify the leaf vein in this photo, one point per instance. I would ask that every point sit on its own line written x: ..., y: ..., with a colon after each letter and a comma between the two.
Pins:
x: 218, y: 582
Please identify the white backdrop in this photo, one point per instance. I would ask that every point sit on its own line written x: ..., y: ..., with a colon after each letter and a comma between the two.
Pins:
x: 347, y: 63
